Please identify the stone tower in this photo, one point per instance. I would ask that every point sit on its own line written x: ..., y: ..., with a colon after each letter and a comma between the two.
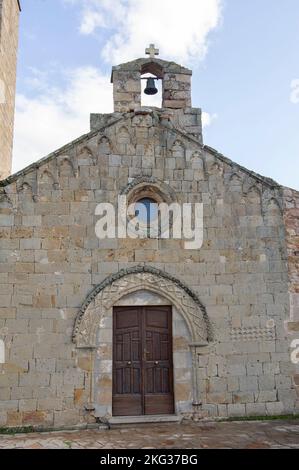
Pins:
x: 9, y: 22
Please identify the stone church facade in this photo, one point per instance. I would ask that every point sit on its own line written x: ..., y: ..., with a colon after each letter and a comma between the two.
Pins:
x: 96, y: 330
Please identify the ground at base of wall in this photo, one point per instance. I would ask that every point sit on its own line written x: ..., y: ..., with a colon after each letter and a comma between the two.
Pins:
x: 202, y: 435
x: 101, y: 426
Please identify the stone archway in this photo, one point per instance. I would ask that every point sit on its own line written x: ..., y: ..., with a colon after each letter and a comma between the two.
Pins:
x: 93, y: 329
x: 131, y: 280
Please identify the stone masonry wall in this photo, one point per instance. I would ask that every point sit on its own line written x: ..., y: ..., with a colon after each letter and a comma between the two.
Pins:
x: 51, y: 259
x: 291, y: 219
x: 9, y: 21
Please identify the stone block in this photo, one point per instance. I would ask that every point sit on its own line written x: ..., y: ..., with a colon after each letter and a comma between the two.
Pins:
x: 283, y: 382
x: 266, y: 382
x: 32, y: 220
x: 236, y: 370
x: 53, y: 404
x: 256, y: 409
x: 66, y: 418
x: 248, y: 384
x: 217, y: 384
x: 236, y: 410
x: 266, y: 396
x: 6, y: 220
x: 276, y: 408
x: 28, y: 404
x: 243, y: 397
x: 9, y: 405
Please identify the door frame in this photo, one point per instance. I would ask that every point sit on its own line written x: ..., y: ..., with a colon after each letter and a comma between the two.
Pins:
x: 142, y: 326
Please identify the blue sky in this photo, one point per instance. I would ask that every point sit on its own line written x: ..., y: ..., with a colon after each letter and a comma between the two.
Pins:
x: 244, y: 56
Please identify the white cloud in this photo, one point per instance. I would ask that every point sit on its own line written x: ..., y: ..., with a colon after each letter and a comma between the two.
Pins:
x: 208, y: 119
x: 179, y: 28
x: 91, y: 21
x: 56, y: 116
x: 294, y: 98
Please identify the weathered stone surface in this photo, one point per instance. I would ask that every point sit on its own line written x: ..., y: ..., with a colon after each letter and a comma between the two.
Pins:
x: 9, y: 20
x: 235, y: 301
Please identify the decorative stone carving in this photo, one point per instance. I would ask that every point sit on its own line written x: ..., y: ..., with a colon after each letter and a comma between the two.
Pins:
x: 104, y: 145
x: 142, y: 120
x: 253, y: 333
x: 47, y: 179
x: 27, y: 186
x: 235, y: 179
x: 86, y: 154
x: 66, y: 167
x: 214, y: 168
x: 131, y: 280
x: 273, y: 207
x: 178, y: 149
x: 145, y: 186
x: 123, y: 136
x: 253, y: 195
x: 5, y: 201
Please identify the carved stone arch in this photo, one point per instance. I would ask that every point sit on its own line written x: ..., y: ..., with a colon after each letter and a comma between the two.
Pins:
x: 25, y: 192
x: 27, y: 186
x: 104, y: 145
x: 125, y: 282
x: 47, y: 178
x: 178, y: 149
x: 197, y: 156
x: 5, y: 201
x: 253, y: 192
x: 86, y: 152
x: 153, y: 68
x: 253, y: 201
x: 253, y: 195
x: 66, y: 166
x: 235, y: 179
x: 272, y: 207
x: 214, y: 167
x: 149, y: 186
x: 123, y: 135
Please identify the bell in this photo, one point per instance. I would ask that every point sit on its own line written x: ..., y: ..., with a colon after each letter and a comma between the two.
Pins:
x: 151, y: 87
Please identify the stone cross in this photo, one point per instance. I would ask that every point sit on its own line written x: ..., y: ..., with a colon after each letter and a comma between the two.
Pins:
x: 151, y: 51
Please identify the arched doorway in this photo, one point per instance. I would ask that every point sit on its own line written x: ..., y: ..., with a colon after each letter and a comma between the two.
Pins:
x: 142, y: 290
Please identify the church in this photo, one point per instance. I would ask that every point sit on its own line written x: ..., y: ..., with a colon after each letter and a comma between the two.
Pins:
x: 120, y: 329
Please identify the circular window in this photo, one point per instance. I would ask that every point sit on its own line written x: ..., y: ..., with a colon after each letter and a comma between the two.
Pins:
x: 143, y: 197
x: 146, y: 210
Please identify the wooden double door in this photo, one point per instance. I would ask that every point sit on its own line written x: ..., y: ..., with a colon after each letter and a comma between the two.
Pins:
x: 142, y: 361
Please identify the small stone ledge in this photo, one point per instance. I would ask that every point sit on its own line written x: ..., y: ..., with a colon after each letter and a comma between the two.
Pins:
x: 126, y: 420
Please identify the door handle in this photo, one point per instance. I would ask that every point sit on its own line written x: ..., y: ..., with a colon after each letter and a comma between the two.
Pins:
x: 129, y: 363
x: 156, y: 363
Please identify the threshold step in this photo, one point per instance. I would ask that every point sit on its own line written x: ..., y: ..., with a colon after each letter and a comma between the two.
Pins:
x: 119, y: 420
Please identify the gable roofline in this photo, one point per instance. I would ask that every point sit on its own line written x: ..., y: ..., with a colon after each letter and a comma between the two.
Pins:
x: 262, y: 179
x: 64, y: 149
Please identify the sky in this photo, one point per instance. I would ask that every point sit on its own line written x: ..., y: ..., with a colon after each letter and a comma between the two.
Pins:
x: 244, y: 57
